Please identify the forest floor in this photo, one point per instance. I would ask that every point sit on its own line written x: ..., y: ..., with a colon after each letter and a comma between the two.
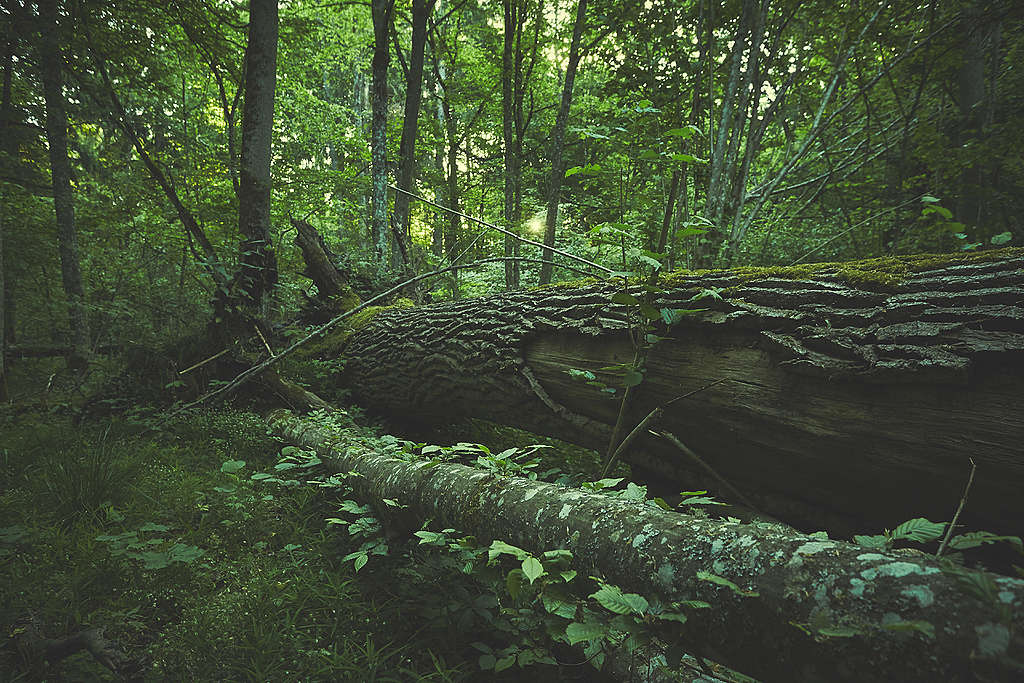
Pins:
x: 198, y: 570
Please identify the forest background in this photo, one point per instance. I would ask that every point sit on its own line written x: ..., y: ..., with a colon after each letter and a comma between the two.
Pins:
x: 158, y: 160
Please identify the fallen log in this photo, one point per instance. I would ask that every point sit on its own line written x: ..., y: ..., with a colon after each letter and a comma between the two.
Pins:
x: 854, y: 394
x: 826, y: 610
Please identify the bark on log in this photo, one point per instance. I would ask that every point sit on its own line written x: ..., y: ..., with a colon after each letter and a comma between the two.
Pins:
x: 824, y: 586
x: 856, y: 392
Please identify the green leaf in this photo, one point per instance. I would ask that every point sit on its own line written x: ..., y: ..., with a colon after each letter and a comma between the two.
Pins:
x: 150, y: 526
x: 1002, y: 238
x: 688, y: 159
x: 613, y: 599
x: 701, y: 500
x: 533, y: 569
x: 684, y: 133
x: 577, y: 632
x: 500, y: 547
x: 504, y: 663
x: 606, y: 483
x: 722, y: 581
x: 486, y: 662
x: 977, y: 538
x: 921, y: 626
x: 154, y: 560
x: 633, y: 377
x: 514, y: 583
x: 671, y: 316
x: 838, y: 631
x: 625, y: 299
x: 920, y: 530
x: 361, y: 561
x: 634, y: 492
x: 880, y: 541
x: 928, y: 199
x: 935, y: 208
x: 692, y: 604
x: 672, y: 616
x: 230, y: 466
x: 652, y: 262
x: 582, y: 374
x: 573, y: 171
x: 185, y: 554
x: 649, y: 155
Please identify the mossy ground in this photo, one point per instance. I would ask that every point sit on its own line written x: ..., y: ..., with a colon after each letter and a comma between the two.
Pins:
x: 885, y: 273
x: 269, y: 598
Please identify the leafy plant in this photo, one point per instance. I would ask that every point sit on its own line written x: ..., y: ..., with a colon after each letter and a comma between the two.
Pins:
x: 147, y: 546
x: 81, y: 481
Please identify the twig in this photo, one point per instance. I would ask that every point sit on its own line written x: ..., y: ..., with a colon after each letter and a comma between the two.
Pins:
x: 697, y: 459
x: 264, y: 340
x: 204, y: 362
x: 503, y: 231
x: 959, y: 509
x: 869, y: 218
x: 652, y: 417
x: 246, y: 375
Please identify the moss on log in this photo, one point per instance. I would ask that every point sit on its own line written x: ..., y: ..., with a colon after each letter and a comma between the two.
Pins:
x: 826, y: 610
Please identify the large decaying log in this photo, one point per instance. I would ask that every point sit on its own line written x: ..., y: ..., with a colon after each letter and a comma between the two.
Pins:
x: 859, y: 389
x: 808, y: 587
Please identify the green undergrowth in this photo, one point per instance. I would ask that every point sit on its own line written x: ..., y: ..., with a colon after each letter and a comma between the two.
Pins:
x: 195, y: 570
x: 577, y: 463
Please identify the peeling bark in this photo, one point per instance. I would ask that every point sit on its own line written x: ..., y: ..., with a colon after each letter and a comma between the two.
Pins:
x: 855, y: 393
x: 810, y: 589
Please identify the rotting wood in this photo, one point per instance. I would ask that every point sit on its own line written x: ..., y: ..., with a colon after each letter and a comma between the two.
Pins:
x: 808, y: 587
x: 855, y: 393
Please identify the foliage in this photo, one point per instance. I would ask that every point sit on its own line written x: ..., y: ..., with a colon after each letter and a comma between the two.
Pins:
x: 193, y: 566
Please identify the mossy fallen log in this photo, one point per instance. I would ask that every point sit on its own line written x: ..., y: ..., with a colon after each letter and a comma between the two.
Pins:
x: 825, y: 610
x: 854, y: 394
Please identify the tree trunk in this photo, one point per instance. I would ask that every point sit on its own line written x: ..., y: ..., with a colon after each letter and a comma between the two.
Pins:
x: 512, y: 129
x: 558, y: 140
x: 844, y: 383
x: 8, y: 152
x: 332, y: 287
x: 407, y: 145
x: 50, y: 62
x: 825, y: 610
x: 382, y: 11
x: 257, y: 272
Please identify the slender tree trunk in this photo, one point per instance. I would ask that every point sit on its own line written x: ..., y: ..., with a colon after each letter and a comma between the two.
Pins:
x: 453, y: 222
x: 558, y: 140
x: 51, y: 64
x: 719, y: 152
x: 511, y: 105
x: 8, y: 151
x: 257, y: 273
x: 401, y: 254
x: 979, y: 30
x: 382, y: 12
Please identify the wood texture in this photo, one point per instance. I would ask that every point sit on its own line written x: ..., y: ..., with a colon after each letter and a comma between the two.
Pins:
x: 855, y: 393
x: 826, y: 610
